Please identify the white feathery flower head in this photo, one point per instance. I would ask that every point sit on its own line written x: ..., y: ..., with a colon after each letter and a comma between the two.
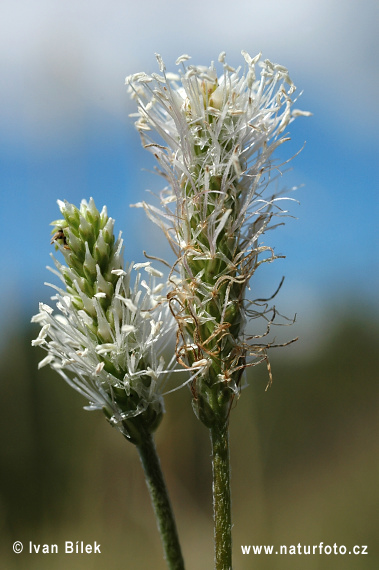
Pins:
x: 214, y: 131
x: 106, y: 334
x: 97, y: 369
x: 213, y: 136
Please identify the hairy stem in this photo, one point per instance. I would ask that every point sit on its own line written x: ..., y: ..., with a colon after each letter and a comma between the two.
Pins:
x: 161, y: 503
x: 221, y: 496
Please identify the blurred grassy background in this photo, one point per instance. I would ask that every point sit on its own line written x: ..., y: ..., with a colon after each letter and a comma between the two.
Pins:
x: 304, y: 464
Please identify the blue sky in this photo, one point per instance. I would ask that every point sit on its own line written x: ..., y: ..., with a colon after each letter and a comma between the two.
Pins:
x: 65, y: 133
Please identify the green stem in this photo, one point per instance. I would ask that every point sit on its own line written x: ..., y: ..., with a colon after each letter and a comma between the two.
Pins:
x: 161, y: 503
x: 221, y: 496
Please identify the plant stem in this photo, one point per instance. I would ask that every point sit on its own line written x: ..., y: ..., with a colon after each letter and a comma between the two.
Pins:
x: 161, y: 503
x: 221, y: 496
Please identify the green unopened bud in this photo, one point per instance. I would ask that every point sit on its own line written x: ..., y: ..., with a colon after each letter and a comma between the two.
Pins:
x: 93, y: 216
x: 76, y: 243
x: 70, y: 213
x: 108, y: 232
x: 101, y: 249
x: 89, y: 265
x: 86, y: 231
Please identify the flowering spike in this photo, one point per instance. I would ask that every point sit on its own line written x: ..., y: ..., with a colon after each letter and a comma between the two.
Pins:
x: 106, y: 336
x: 216, y: 136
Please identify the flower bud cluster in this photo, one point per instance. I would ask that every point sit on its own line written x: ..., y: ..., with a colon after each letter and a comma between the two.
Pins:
x: 106, y: 336
x: 216, y: 136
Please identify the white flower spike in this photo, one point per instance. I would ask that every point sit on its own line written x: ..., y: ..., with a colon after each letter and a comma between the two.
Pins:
x: 214, y: 139
x: 106, y: 335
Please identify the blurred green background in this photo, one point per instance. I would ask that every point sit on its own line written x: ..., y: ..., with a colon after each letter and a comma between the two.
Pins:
x: 304, y: 463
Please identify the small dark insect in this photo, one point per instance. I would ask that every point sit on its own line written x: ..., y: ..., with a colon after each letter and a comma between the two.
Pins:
x: 59, y: 235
